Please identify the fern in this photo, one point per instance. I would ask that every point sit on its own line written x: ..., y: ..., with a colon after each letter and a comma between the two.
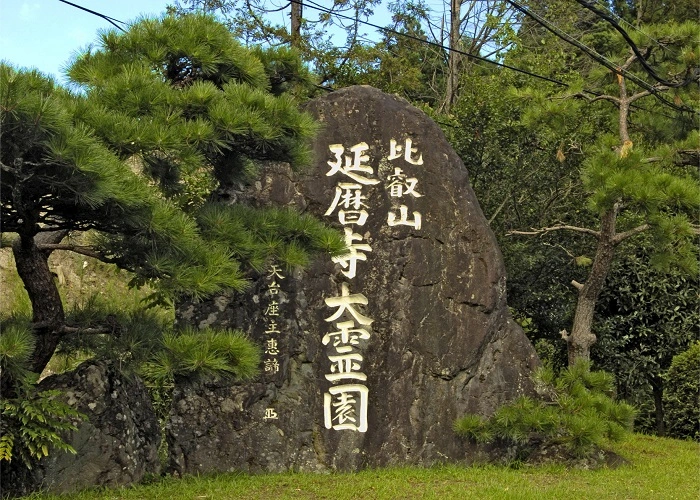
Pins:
x: 33, y: 423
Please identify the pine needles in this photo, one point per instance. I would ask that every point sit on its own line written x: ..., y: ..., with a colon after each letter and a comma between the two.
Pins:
x: 575, y: 410
x: 203, y: 354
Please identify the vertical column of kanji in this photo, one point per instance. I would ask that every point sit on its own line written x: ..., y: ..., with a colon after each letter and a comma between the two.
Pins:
x: 401, y: 185
x: 345, y: 403
x: 271, y: 315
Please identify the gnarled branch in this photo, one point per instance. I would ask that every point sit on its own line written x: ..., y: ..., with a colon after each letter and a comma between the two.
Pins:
x: 558, y: 227
x: 620, y: 237
x: 82, y: 250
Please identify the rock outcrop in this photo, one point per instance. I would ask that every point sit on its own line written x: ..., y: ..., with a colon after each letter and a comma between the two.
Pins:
x: 116, y: 446
x: 369, y: 357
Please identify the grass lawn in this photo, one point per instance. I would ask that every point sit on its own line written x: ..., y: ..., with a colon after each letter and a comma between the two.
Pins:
x: 661, y: 469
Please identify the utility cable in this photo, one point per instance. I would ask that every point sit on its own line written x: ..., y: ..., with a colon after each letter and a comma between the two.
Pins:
x: 110, y: 20
x: 599, y: 58
x: 642, y: 59
x: 321, y: 8
x: 313, y: 5
x: 602, y: 4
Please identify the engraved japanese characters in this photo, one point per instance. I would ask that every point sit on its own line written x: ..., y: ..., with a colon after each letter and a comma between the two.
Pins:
x: 368, y: 356
x: 345, y: 405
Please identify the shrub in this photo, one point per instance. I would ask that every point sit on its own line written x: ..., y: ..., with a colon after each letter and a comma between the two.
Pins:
x: 576, y: 410
x: 31, y: 421
x: 682, y: 395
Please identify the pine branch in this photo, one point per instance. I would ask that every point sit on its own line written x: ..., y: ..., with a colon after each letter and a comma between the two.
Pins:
x: 689, y: 157
x: 620, y: 237
x: 500, y: 207
x: 645, y: 93
x: 79, y: 249
x: 108, y: 328
x: 87, y: 331
x: 604, y: 97
x: 559, y: 227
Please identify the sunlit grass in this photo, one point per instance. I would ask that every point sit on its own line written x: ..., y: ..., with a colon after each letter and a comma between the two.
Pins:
x: 660, y: 469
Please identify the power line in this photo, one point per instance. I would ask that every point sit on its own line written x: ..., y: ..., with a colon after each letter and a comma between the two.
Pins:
x: 313, y: 5
x: 642, y: 59
x: 599, y: 58
x: 318, y: 7
x: 623, y: 21
x: 110, y: 20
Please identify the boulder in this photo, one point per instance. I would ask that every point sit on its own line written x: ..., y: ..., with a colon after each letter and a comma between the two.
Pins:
x: 116, y: 446
x: 371, y: 356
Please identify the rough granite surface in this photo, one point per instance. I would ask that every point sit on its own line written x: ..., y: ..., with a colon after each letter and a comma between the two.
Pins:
x: 441, y: 342
x: 116, y: 446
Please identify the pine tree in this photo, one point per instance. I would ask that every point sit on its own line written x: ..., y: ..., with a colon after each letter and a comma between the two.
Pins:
x: 158, y: 118
x: 636, y: 174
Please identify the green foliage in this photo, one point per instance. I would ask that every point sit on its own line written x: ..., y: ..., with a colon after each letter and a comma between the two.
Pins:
x: 32, y: 424
x: 521, y: 184
x: 257, y: 236
x: 208, y: 102
x: 203, y: 354
x: 16, y: 346
x: 401, y: 62
x: 661, y: 194
x: 144, y: 342
x: 192, y: 123
x: 158, y: 118
x: 31, y: 421
x: 88, y: 186
x: 136, y: 332
x: 285, y: 70
x: 475, y: 428
x: 682, y: 394
x: 575, y: 409
x: 645, y: 318
x: 632, y: 168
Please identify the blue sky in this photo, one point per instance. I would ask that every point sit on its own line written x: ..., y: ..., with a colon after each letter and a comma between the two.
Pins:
x: 44, y: 34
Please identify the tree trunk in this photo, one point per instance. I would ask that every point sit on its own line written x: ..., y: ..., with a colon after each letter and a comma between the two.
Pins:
x: 657, y: 389
x: 295, y: 15
x: 47, y: 309
x: 453, y: 61
x: 582, y: 338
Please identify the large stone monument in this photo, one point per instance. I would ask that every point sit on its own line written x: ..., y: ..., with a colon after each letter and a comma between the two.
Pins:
x: 368, y: 357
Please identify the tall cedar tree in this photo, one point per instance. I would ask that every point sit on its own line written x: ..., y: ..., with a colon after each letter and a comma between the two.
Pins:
x: 637, y: 175
x: 161, y: 116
